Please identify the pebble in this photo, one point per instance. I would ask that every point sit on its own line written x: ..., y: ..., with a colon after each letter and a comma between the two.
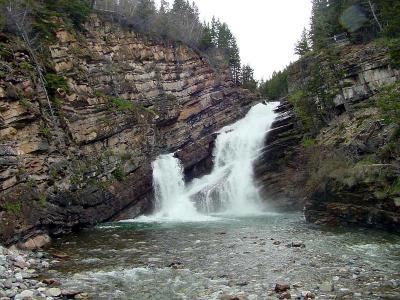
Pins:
x: 307, y: 295
x: 24, y: 294
x: 17, y: 272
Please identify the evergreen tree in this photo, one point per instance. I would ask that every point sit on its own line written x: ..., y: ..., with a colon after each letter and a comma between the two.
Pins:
x: 162, y: 22
x: 206, y: 41
x: 247, y: 78
x: 144, y: 16
x: 303, y: 46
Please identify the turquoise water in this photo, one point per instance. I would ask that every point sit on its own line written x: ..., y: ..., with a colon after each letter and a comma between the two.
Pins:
x: 229, y: 256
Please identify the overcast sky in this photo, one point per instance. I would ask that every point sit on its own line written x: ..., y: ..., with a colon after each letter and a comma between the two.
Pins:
x: 266, y: 30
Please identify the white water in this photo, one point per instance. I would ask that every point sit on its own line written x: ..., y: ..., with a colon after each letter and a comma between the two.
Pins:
x: 229, y: 189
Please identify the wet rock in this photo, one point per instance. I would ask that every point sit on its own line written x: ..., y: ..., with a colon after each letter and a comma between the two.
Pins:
x: 70, y: 293
x: 307, y: 295
x: 60, y: 255
x: 21, y: 264
x: 53, y: 292
x: 276, y: 243
x: 281, y: 287
x: 51, y: 282
x: 285, y: 295
x: 24, y: 294
x: 82, y: 296
x: 176, y: 265
x: 37, y: 242
x: 228, y: 297
x: 298, y: 244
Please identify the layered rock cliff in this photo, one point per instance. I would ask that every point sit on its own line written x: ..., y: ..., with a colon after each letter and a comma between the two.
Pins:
x: 348, y: 173
x: 119, y: 100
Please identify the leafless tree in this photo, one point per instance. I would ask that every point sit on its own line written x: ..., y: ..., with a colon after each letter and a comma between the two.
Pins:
x: 18, y: 20
x: 373, y: 10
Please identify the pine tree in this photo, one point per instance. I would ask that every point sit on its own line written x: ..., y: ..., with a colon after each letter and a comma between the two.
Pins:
x: 206, y: 41
x: 303, y: 46
x: 248, y: 81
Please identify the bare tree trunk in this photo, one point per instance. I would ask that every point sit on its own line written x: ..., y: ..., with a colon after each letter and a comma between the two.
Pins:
x: 20, y: 25
x: 372, y: 6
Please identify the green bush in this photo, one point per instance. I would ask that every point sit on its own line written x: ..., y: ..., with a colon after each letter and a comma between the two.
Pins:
x: 54, y: 82
x: 76, y: 11
x: 388, y: 100
x: 13, y: 207
x: 118, y: 174
x: 42, y: 199
x: 308, y: 142
x: 305, y: 109
x: 45, y: 131
x: 120, y: 104
x: 394, y: 52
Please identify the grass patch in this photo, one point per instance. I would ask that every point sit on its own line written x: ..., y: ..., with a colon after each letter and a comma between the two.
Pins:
x: 118, y: 174
x: 13, y: 207
x: 42, y: 199
x: 45, y: 131
x: 54, y: 82
x: 120, y: 104
x: 388, y: 101
x: 308, y: 142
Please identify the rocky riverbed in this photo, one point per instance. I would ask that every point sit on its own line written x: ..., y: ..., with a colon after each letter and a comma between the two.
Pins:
x: 20, y: 279
x: 276, y: 256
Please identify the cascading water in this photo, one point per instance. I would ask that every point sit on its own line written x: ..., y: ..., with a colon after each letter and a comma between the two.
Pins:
x: 172, y: 202
x: 229, y: 188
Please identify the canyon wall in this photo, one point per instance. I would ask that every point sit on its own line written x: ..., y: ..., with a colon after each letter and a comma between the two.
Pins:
x: 86, y: 157
x: 348, y: 172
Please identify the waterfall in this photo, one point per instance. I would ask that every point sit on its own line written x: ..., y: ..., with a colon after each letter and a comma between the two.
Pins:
x: 172, y: 202
x: 230, y: 187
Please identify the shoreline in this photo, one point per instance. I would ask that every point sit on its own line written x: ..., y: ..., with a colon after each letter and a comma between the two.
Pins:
x: 20, y: 277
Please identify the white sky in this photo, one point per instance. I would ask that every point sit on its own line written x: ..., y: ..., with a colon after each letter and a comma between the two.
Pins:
x: 266, y: 30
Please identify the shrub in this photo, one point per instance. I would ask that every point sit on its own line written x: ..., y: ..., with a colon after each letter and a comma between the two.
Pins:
x: 308, y: 142
x: 54, y: 82
x: 304, y: 108
x: 13, y: 207
x: 388, y: 100
x: 394, y: 52
x: 120, y: 104
x: 45, y: 131
x: 76, y: 11
x: 42, y: 199
x: 118, y: 174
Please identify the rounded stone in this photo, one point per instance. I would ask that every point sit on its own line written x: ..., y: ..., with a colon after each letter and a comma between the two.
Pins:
x: 53, y: 292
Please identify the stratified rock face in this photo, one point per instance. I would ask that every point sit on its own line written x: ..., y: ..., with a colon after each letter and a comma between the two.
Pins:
x: 365, y: 69
x: 128, y: 101
x: 356, y: 188
x: 277, y: 171
x: 337, y: 181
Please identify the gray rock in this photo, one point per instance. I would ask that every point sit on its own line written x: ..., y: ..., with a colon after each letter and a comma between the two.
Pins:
x: 8, y: 283
x: 18, y: 277
x: 24, y: 294
x: 53, y: 292
x: 3, y: 260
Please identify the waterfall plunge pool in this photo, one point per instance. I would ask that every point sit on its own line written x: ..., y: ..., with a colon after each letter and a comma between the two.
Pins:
x: 214, y: 238
x: 232, y: 256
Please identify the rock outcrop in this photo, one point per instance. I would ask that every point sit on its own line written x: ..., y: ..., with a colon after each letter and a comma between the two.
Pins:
x: 278, y: 170
x: 349, y: 175
x: 119, y: 100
